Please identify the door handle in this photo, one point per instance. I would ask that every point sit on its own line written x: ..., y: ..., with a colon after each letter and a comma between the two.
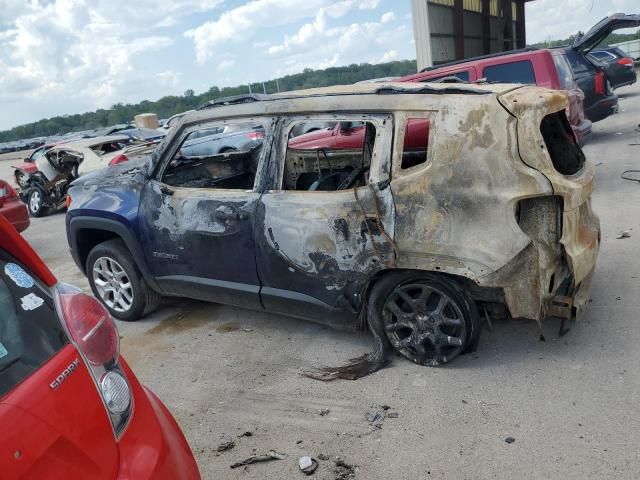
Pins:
x: 226, y: 212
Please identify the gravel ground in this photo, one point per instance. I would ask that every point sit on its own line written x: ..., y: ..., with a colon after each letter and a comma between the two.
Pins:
x: 570, y: 404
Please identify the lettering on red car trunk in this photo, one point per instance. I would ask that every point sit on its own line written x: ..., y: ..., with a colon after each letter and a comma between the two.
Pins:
x: 64, y: 374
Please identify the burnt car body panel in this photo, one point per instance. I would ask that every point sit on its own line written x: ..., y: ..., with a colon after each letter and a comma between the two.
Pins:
x: 488, y: 207
x: 317, y: 266
x: 194, y: 248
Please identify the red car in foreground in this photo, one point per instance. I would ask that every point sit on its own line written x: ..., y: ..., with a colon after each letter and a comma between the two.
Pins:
x: 12, y: 208
x: 70, y: 406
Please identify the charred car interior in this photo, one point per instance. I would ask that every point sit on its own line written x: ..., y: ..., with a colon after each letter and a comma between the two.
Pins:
x: 416, y: 209
x: 217, y: 161
x: 328, y: 166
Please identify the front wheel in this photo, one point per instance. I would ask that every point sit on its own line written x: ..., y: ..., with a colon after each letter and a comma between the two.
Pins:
x: 428, y: 318
x: 35, y: 203
x: 116, y: 281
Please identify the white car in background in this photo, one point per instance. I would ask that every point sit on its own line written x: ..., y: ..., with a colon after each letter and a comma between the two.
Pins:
x: 43, y: 184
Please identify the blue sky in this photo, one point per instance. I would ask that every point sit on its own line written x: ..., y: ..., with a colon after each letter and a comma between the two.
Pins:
x: 70, y: 56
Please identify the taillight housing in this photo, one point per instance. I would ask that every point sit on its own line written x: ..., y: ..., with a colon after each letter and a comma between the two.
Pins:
x: 91, y: 327
x: 94, y: 333
x: 626, y: 61
x: 256, y: 135
x: 121, y: 158
x: 599, y: 83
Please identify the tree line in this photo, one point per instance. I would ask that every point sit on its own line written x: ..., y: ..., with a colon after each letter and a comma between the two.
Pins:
x: 172, y: 104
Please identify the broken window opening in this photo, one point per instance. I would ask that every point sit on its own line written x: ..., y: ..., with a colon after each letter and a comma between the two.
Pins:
x: 337, y: 157
x: 416, y: 142
x: 109, y: 147
x: 565, y: 153
x: 218, y: 157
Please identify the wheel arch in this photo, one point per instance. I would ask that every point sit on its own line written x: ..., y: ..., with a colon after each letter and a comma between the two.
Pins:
x: 477, y: 293
x: 86, y: 233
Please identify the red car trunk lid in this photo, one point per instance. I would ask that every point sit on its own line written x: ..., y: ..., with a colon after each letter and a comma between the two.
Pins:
x: 57, y: 433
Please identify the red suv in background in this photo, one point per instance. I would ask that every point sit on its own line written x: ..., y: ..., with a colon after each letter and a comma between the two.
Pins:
x: 70, y: 406
x: 545, y: 68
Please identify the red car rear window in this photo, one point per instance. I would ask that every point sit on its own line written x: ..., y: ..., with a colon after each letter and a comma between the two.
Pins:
x: 30, y: 332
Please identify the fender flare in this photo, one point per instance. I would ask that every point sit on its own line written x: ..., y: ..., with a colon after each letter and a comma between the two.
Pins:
x: 118, y: 228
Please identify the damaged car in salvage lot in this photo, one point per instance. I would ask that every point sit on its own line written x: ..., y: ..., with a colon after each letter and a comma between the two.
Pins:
x: 488, y: 215
x: 43, y: 183
x: 70, y: 406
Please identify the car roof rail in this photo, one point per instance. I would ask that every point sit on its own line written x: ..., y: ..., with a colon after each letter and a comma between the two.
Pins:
x: 396, y: 89
x: 235, y: 100
x: 481, y: 57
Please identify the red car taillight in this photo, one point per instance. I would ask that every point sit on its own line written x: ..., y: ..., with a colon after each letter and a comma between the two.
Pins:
x: 599, y: 83
x: 94, y: 333
x: 118, y: 159
x: 6, y: 192
x: 626, y: 61
x: 257, y: 135
x: 91, y: 327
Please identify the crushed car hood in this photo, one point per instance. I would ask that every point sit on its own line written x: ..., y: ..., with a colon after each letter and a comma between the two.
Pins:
x: 112, y: 175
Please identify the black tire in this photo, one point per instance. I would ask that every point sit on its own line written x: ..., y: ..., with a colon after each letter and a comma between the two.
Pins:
x: 144, y: 300
x: 424, y: 335
x: 35, y: 202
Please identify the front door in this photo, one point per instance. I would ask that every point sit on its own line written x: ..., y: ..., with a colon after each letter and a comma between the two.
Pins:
x: 327, y: 225
x: 197, y: 216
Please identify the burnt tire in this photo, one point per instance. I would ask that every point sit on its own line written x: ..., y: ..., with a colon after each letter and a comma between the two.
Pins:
x: 428, y: 318
x: 116, y: 281
x: 35, y: 202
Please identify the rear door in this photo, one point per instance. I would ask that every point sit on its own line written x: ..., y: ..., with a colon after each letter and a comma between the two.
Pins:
x: 48, y: 429
x: 197, y: 216
x: 326, y: 224
x: 585, y: 75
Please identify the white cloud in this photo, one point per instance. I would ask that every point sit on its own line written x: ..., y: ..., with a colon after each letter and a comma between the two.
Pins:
x: 84, y: 52
x: 390, y: 55
x: 168, y: 78
x: 239, y: 23
x: 225, y: 65
x: 308, y: 34
x: 318, y: 45
x: 388, y: 17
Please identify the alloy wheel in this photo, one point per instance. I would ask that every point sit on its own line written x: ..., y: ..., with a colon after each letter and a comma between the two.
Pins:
x: 113, y: 284
x: 35, y: 201
x: 424, y: 323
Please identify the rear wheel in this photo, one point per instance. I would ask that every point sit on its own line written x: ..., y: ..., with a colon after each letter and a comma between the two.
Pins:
x: 117, y: 282
x: 428, y: 318
x: 35, y: 203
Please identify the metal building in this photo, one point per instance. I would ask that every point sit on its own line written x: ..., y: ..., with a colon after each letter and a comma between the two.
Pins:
x: 447, y: 30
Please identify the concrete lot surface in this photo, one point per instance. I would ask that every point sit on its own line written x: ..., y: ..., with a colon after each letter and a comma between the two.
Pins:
x: 571, y: 404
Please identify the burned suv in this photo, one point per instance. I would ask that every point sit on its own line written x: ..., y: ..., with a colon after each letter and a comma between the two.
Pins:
x: 485, y: 212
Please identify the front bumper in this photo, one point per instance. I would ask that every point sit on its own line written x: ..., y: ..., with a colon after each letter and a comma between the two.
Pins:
x: 153, y: 447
